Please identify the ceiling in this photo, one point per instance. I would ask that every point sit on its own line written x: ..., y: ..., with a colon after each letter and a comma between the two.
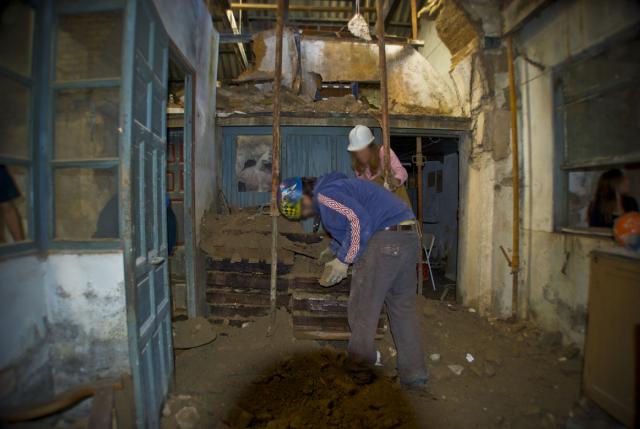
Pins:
x: 311, y: 22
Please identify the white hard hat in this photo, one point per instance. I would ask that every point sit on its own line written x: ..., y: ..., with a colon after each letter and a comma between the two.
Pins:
x: 359, y: 138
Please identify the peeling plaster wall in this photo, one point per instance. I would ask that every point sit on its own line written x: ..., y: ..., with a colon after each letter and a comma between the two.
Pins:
x: 411, y: 79
x: 479, y: 79
x: 87, y: 317
x: 67, y: 322
x: 556, y: 266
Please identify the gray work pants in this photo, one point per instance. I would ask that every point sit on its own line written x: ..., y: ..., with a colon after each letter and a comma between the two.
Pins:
x: 385, y: 273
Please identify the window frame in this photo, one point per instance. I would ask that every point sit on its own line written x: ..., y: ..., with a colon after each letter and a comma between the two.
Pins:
x: 561, y: 168
x: 31, y: 162
x: 41, y: 117
x: 65, y: 8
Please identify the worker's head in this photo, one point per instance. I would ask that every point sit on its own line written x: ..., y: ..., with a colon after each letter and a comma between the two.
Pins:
x: 295, y: 197
x: 364, y: 151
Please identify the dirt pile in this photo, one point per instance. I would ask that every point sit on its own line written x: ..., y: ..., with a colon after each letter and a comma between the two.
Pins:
x: 320, y: 390
x: 238, y: 233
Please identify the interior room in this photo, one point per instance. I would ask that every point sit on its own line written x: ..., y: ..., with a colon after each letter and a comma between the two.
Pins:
x: 291, y: 214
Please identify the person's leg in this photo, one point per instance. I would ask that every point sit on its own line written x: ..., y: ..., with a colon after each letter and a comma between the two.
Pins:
x: 13, y: 220
x: 401, y: 307
x: 369, y: 285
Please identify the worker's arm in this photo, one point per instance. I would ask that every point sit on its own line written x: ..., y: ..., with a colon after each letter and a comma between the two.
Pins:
x: 397, y: 170
x: 348, y: 222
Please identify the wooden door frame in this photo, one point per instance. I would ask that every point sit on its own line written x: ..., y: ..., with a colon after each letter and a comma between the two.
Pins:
x: 176, y: 55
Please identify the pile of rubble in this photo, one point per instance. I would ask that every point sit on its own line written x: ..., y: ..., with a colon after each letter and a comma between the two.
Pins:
x: 254, y: 98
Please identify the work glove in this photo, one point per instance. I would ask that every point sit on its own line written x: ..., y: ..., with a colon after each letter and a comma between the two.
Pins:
x: 391, y: 184
x: 325, y: 256
x: 334, y: 272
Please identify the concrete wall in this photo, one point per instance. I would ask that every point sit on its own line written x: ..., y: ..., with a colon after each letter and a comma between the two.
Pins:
x: 556, y: 271
x: 412, y: 81
x: 87, y: 317
x: 67, y: 322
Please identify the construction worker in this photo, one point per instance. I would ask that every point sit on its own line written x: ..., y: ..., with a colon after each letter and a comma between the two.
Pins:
x: 367, y: 162
x: 376, y: 232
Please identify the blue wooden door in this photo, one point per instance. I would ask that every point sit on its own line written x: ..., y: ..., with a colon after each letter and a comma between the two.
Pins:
x: 144, y: 225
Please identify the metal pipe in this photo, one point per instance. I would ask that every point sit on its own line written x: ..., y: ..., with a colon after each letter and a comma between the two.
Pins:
x: 414, y: 20
x: 384, y: 100
x: 515, y: 181
x: 275, y: 154
x: 297, y: 8
x: 419, y: 164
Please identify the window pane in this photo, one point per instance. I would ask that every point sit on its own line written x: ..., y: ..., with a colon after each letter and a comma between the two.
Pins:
x: 583, y: 191
x: 604, y: 128
x: 86, y: 123
x: 16, y: 36
x: 14, y: 202
x: 89, y: 46
x: 14, y: 140
x: 86, y: 203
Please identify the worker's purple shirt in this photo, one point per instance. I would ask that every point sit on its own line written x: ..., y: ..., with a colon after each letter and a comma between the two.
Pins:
x: 352, y: 210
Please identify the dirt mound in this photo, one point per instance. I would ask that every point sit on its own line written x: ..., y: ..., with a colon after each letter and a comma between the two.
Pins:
x: 319, y: 390
x: 246, y: 234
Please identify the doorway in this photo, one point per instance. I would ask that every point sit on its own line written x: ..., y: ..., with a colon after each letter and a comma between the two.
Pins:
x: 179, y: 178
x: 440, y: 177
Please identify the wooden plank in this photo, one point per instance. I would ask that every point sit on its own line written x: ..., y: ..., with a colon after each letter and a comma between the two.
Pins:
x: 244, y: 266
x: 310, y: 321
x: 255, y: 297
x: 320, y: 304
x: 310, y: 284
x: 124, y: 404
x: 448, y: 125
x: 102, y: 409
x: 237, y: 311
x: 236, y: 280
x: 230, y: 321
x: 327, y: 336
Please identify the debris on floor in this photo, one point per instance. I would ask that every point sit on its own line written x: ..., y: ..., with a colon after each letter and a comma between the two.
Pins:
x: 515, y: 380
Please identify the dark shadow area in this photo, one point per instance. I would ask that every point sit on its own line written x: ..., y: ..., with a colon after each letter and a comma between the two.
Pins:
x: 319, y: 390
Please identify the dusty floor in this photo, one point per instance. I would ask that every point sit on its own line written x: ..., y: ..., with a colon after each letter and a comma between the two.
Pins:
x: 518, y: 378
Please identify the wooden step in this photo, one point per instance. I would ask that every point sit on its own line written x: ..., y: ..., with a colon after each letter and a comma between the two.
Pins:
x: 310, y: 284
x: 225, y: 311
x: 247, y: 297
x: 329, y: 322
x: 240, y: 265
x: 240, y: 280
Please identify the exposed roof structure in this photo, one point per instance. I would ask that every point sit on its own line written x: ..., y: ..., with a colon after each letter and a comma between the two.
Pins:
x: 242, y: 18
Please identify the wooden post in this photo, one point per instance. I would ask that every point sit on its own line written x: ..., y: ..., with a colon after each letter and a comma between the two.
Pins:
x: 515, y: 181
x: 414, y: 20
x: 384, y: 101
x: 283, y: 6
x: 419, y: 165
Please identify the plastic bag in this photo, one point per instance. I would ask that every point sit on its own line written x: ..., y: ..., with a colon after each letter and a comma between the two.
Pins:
x: 358, y: 26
